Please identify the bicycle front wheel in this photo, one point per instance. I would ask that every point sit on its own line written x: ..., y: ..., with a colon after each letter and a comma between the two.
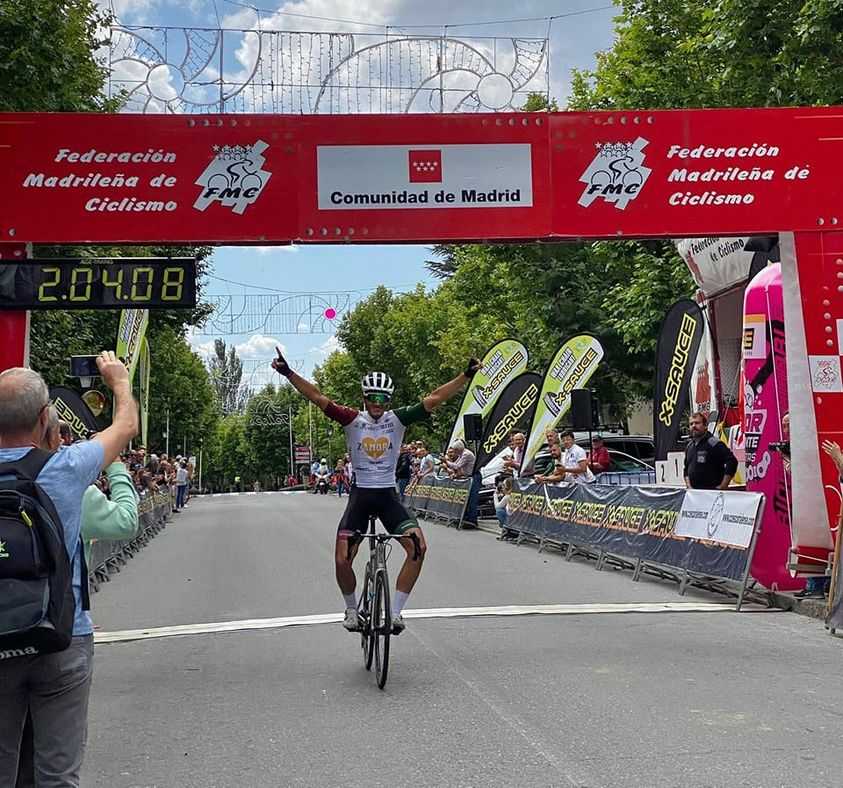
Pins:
x: 367, y: 637
x: 382, y: 627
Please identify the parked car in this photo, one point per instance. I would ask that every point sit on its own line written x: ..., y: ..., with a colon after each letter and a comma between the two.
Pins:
x: 641, y: 447
x: 625, y: 470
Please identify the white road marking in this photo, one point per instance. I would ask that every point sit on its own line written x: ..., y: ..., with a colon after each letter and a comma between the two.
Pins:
x: 128, y: 635
x: 262, y: 492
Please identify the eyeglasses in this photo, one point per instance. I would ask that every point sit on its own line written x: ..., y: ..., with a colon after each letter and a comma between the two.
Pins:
x: 378, y: 399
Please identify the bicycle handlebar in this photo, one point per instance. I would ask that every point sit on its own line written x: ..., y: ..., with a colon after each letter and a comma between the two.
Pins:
x: 383, y: 538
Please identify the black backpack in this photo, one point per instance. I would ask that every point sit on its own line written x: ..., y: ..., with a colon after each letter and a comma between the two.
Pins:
x: 37, y: 607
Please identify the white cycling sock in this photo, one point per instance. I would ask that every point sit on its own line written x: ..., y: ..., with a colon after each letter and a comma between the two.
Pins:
x: 350, y: 600
x: 398, y: 602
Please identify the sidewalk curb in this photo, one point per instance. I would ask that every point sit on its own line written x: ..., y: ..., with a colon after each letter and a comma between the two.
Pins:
x: 811, y: 607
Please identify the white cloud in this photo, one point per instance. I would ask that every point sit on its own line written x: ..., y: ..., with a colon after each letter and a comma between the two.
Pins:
x: 258, y: 346
x: 204, y: 349
x: 327, y: 347
x: 131, y: 11
x: 264, y: 250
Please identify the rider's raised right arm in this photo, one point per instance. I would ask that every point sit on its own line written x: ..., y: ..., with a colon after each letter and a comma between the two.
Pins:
x: 309, y: 390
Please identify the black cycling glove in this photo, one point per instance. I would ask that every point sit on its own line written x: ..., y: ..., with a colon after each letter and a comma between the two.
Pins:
x: 473, y: 368
x: 280, y: 364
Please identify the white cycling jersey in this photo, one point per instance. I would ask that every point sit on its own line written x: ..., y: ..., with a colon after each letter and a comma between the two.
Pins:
x: 375, y: 445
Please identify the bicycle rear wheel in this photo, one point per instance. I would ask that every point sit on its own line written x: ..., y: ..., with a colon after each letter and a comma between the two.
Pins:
x: 367, y: 639
x: 382, y: 627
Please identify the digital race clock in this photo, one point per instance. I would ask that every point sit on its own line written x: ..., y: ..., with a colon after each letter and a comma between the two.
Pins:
x: 101, y: 283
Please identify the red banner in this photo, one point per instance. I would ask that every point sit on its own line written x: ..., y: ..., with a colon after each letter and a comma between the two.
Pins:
x: 239, y: 179
x: 696, y: 172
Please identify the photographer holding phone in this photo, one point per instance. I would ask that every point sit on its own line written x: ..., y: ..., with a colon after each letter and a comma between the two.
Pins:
x: 54, y: 685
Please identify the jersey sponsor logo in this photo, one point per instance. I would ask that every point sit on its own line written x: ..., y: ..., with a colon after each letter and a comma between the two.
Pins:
x: 375, y: 447
x: 4, y: 553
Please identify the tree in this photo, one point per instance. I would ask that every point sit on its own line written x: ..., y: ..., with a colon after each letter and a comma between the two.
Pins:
x: 47, y: 56
x: 267, y: 432
x: 230, y: 457
x: 226, y: 371
x: 179, y: 384
x: 679, y: 53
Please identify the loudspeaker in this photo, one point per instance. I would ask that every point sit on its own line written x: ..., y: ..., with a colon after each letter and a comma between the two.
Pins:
x: 473, y: 426
x: 582, y: 412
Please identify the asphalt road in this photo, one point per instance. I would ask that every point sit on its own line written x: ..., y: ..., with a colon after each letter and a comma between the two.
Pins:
x: 600, y: 698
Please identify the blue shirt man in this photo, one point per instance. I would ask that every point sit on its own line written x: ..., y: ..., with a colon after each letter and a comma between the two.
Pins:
x: 64, y: 478
x: 54, y: 688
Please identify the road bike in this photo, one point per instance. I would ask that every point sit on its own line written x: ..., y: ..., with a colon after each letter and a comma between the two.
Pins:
x: 374, y: 608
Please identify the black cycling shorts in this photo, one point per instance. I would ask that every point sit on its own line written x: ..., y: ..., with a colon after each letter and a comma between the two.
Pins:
x: 383, y: 503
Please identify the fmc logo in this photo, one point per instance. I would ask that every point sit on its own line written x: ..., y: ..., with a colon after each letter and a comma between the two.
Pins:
x: 234, y: 178
x: 617, y: 173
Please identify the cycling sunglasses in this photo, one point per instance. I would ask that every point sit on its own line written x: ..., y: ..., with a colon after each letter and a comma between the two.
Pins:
x: 378, y: 399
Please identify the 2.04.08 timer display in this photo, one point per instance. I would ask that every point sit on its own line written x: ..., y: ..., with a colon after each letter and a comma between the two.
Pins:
x: 114, y: 283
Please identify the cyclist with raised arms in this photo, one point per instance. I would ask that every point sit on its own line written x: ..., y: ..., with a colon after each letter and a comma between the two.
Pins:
x: 374, y: 437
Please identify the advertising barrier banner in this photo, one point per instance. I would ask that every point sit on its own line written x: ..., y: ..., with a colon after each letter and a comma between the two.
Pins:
x: 153, y: 511
x: 676, y: 351
x: 656, y: 525
x: 444, y: 498
x: 571, y: 368
x: 501, y: 364
x: 720, y: 516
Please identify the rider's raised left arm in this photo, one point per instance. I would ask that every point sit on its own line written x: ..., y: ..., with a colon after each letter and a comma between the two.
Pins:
x: 441, y: 395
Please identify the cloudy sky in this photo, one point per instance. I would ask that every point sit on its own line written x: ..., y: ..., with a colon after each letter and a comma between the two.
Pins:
x: 581, y: 28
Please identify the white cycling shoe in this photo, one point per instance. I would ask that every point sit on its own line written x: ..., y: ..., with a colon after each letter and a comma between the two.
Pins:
x: 398, y: 624
x: 352, y: 620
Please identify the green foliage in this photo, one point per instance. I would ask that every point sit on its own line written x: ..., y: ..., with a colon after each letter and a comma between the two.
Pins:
x: 267, y: 432
x: 178, y: 382
x: 227, y: 454
x: 226, y: 371
x: 47, y: 60
x: 721, y: 53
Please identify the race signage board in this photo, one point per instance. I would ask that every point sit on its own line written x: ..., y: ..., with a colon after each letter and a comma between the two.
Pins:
x: 241, y: 179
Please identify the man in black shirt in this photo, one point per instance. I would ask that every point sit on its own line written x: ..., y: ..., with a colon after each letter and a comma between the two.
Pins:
x: 404, y: 469
x: 709, y: 463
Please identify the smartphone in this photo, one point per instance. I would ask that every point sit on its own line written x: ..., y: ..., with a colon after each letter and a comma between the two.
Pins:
x: 84, y: 367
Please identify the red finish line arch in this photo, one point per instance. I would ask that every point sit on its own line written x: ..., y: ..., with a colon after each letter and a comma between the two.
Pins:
x: 263, y: 179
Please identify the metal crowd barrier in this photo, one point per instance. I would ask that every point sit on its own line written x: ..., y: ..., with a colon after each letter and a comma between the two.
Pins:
x: 109, y: 557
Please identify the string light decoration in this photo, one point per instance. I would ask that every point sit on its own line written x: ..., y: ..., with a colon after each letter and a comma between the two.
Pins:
x: 252, y: 313
x: 191, y: 70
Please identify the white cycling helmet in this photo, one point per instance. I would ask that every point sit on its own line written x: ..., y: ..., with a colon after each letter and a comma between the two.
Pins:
x: 377, y: 383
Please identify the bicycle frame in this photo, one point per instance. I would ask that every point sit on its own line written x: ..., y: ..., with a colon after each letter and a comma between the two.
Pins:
x: 374, y: 633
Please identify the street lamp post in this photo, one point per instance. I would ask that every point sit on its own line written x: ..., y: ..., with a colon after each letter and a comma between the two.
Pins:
x: 292, y: 454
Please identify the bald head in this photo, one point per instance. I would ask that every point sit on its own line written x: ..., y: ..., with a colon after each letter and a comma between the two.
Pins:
x: 23, y: 398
